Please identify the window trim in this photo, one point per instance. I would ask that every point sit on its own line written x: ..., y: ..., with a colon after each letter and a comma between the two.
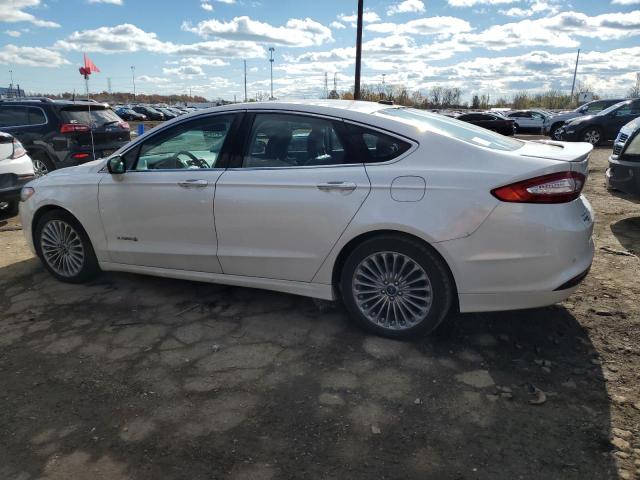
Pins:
x: 46, y: 118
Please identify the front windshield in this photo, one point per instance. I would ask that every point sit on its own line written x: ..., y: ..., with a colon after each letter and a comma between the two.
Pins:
x: 453, y: 128
x: 613, y: 107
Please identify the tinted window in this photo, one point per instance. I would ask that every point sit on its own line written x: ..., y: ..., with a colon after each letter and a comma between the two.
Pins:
x: 36, y: 116
x: 452, y: 128
x: 284, y: 140
x: 194, y: 144
x: 95, y: 117
x: 13, y: 116
x: 378, y: 146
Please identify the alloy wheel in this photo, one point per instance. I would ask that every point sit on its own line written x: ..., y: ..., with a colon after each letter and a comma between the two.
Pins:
x: 62, y: 248
x: 392, y: 290
x: 592, y: 136
x: 557, y: 133
x: 39, y: 167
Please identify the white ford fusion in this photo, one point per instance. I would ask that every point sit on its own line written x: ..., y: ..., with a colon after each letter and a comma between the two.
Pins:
x: 403, y: 214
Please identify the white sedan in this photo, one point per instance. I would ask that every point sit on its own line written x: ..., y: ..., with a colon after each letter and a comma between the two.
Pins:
x: 404, y: 215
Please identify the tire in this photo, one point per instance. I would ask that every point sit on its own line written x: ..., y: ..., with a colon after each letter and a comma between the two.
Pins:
x: 80, y: 264
x: 42, y: 164
x: 592, y: 135
x: 553, y: 131
x: 10, y: 210
x: 403, y: 320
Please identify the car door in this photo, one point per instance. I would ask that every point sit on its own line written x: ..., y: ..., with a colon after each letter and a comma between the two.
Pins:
x: 159, y: 213
x: 537, y: 120
x: 288, y: 197
x: 620, y: 117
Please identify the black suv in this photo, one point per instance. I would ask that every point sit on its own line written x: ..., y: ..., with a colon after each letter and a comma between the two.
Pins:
x: 60, y: 133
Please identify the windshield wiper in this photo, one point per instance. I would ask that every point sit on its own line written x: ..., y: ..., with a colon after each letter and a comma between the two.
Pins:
x: 110, y: 123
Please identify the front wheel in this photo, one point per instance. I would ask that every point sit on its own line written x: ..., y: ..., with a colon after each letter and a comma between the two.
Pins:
x: 592, y: 136
x: 556, y: 131
x: 396, y: 287
x: 64, y: 248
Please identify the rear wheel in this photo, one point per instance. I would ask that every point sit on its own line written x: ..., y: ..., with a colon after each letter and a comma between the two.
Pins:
x: 592, y: 136
x: 556, y: 131
x: 64, y: 248
x: 396, y: 287
x: 41, y: 164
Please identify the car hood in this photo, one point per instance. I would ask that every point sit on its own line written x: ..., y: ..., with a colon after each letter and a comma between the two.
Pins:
x: 89, y: 167
x: 562, y: 116
x: 562, y: 151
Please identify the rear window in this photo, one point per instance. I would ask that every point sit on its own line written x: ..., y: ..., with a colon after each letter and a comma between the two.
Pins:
x: 378, y: 146
x: 451, y: 127
x: 94, y: 117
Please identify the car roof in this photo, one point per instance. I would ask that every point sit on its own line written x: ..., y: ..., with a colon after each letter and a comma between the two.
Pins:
x: 47, y: 101
x: 328, y: 107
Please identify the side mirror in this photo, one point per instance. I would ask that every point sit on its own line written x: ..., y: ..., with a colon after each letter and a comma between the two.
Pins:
x: 116, y: 165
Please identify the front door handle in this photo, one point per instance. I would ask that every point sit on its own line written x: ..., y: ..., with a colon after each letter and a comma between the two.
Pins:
x: 193, y: 183
x: 339, y: 186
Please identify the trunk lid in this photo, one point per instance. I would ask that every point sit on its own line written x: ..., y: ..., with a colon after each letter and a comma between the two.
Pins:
x: 575, y: 153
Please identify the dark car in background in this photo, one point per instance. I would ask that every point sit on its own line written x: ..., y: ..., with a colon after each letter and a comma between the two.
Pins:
x: 150, y: 112
x: 553, y: 123
x: 623, y: 173
x: 491, y: 121
x: 168, y: 114
x: 63, y: 133
x: 130, y: 115
x: 603, y: 127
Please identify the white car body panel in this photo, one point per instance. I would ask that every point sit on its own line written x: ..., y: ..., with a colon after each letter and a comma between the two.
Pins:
x: 273, y: 228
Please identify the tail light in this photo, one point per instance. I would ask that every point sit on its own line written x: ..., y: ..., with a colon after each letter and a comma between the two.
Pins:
x: 18, y: 150
x: 558, y: 187
x: 80, y: 156
x: 74, y: 127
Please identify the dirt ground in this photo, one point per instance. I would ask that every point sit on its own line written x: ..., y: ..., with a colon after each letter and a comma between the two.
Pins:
x: 136, y: 377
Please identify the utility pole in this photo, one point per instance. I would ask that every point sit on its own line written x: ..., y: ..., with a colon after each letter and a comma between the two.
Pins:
x: 356, y: 88
x: 335, y: 83
x: 245, y: 81
x: 271, y: 50
x: 326, y: 86
x: 109, y: 85
x: 11, y: 76
x: 575, y: 72
x: 133, y: 79
x: 383, y: 75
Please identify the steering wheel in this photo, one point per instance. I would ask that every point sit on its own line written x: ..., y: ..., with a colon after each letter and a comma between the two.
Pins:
x: 193, y: 160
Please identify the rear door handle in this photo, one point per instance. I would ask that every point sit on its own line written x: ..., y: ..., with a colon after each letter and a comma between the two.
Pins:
x: 193, y: 183
x: 339, y: 186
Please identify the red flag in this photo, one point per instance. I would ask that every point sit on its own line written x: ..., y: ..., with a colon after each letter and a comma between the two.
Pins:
x: 89, y: 66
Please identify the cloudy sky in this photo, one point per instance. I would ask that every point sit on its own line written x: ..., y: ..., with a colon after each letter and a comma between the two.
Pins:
x: 496, y: 47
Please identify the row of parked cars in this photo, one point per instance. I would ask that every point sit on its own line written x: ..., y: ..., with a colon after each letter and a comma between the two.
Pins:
x: 594, y: 122
x: 143, y: 112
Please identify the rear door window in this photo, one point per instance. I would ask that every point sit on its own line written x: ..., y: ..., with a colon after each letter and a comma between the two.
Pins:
x: 376, y: 146
x: 13, y: 116
x: 94, y: 117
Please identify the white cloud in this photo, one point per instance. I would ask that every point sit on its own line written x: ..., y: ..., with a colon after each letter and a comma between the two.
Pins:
x: 473, y: 3
x: 12, y: 11
x: 13, y: 33
x: 368, y: 16
x: 206, y: 6
x: 407, y: 6
x: 626, y: 2
x: 154, y: 80
x: 129, y: 38
x: 295, y: 33
x: 184, y: 71
x: 31, y: 56
x: 111, y: 2
x: 228, y: 2
x: 537, y: 6
x: 200, y: 61
x: 337, y: 25
x: 442, y: 26
x: 561, y: 30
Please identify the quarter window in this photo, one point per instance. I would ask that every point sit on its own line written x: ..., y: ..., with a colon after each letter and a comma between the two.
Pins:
x: 195, y: 144
x: 377, y: 146
x: 285, y: 140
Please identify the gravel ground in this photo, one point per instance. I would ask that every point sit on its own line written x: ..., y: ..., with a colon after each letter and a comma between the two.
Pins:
x: 136, y: 377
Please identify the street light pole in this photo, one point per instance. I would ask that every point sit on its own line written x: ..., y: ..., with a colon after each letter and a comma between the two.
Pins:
x: 271, y: 50
x: 356, y: 88
x: 133, y: 78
